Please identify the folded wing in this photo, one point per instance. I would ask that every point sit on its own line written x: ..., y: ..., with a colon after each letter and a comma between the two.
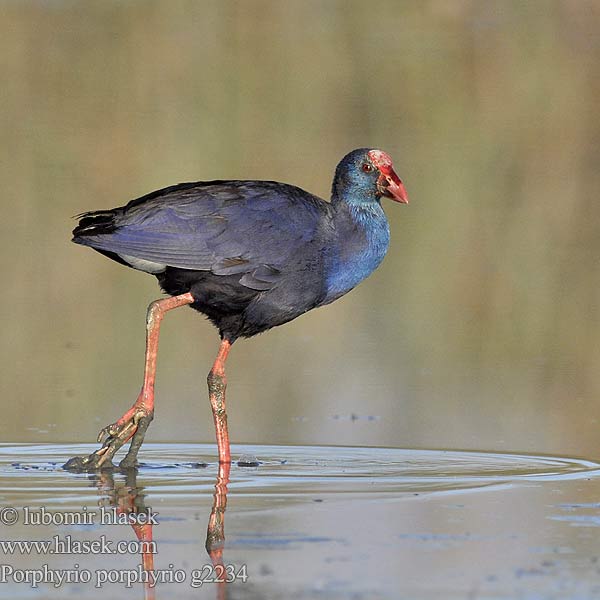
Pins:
x: 258, y: 229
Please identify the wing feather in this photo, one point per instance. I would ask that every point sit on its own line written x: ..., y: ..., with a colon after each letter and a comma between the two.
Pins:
x: 255, y: 229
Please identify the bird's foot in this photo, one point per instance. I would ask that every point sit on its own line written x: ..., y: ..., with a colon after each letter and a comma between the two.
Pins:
x: 112, y: 437
x: 96, y: 461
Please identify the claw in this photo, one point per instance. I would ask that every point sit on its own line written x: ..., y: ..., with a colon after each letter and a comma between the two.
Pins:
x: 115, y: 431
x: 112, y: 437
x: 99, y: 460
x: 106, y: 433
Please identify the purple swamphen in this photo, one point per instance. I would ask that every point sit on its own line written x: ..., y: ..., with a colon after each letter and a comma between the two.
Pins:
x: 250, y: 255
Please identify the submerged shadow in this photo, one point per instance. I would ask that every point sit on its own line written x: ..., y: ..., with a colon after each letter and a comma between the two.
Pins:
x: 127, y: 499
x: 215, y: 532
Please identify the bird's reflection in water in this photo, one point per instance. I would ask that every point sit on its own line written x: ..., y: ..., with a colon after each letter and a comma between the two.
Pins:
x: 215, y: 533
x: 127, y: 498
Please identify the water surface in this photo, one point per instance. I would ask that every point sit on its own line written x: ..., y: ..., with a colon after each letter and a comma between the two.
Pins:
x: 315, y: 522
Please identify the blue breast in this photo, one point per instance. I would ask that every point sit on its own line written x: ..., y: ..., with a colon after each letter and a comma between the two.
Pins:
x: 362, y: 242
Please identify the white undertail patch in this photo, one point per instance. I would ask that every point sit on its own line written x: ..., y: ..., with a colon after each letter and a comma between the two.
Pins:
x: 142, y: 264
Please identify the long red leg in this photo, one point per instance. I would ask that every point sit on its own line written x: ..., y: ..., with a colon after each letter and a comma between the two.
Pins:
x: 135, y: 422
x: 144, y: 405
x: 216, y: 393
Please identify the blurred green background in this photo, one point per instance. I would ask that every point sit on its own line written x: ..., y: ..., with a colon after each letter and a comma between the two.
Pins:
x: 481, y: 329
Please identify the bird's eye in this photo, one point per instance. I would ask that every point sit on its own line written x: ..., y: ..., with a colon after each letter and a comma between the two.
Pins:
x: 367, y: 168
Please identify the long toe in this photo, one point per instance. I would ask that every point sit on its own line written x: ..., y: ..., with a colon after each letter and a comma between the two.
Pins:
x: 112, y: 437
x: 85, y: 464
x: 121, y: 432
x: 143, y: 422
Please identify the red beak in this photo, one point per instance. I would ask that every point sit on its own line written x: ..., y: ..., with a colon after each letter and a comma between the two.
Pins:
x: 392, y: 186
x: 388, y: 184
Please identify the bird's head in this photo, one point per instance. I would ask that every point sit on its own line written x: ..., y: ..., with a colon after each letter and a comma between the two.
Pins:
x: 365, y: 175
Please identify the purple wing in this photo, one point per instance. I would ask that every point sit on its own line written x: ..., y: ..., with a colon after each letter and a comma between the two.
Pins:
x: 258, y: 229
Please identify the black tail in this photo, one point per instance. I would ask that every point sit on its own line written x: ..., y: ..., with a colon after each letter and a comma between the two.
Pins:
x: 94, y: 223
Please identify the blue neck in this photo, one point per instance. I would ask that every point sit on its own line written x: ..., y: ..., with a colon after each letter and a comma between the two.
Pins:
x: 362, y: 239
